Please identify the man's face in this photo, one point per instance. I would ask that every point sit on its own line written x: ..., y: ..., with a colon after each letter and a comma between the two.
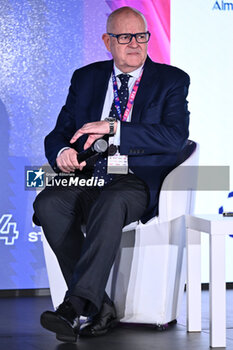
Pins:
x: 127, y: 57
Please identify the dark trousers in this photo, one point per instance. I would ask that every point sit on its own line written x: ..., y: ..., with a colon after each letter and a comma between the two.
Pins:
x: 86, y: 261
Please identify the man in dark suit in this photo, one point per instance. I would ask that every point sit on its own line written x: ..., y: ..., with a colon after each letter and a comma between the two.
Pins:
x: 142, y: 106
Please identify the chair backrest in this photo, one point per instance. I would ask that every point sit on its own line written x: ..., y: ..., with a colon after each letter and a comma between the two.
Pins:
x: 177, y: 196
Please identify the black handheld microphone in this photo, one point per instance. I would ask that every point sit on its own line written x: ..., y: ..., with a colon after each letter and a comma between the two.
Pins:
x: 99, y: 146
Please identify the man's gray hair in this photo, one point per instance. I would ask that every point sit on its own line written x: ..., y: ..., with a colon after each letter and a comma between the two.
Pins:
x: 117, y: 12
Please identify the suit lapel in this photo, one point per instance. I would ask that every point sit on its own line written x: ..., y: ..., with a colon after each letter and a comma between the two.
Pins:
x: 100, y: 89
x: 146, y: 88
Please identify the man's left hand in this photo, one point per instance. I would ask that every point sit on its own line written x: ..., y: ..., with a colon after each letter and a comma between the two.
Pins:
x: 95, y: 130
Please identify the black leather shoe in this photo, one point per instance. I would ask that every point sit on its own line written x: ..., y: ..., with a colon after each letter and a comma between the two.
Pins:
x: 101, y: 323
x: 64, y: 322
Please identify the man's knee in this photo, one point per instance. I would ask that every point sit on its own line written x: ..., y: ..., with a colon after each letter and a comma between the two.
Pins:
x: 58, y: 207
x: 46, y: 205
x: 41, y: 203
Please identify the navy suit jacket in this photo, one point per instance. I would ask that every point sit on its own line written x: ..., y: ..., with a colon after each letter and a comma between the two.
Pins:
x: 158, y: 130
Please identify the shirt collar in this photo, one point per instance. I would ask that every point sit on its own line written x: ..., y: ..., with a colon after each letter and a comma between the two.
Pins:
x: 135, y: 74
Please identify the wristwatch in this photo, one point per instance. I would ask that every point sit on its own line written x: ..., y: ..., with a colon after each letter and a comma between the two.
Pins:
x: 111, y: 121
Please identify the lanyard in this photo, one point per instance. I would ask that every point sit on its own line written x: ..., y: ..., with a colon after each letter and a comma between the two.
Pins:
x: 130, y: 100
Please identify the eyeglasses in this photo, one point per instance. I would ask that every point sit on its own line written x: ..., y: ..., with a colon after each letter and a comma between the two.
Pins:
x: 126, y: 38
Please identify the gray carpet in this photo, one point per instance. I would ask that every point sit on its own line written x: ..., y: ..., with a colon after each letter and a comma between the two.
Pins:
x: 20, y: 329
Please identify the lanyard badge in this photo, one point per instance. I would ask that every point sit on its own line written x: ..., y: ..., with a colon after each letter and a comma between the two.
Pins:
x: 130, y: 100
x: 117, y: 163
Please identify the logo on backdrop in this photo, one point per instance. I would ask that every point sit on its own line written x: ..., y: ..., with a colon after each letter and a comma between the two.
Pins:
x: 9, y: 232
x: 35, y: 178
x: 8, y: 229
x: 223, y: 6
x: 227, y: 206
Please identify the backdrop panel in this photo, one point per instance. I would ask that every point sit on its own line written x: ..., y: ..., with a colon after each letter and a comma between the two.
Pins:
x: 41, y: 44
x: 201, y: 44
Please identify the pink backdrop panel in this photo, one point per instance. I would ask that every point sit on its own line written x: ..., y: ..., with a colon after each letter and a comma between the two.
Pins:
x: 157, y: 13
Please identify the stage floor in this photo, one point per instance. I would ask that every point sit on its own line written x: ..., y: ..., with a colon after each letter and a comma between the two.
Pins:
x: 20, y: 329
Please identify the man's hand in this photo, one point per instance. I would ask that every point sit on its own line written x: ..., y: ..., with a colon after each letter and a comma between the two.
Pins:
x: 67, y: 161
x: 95, y: 130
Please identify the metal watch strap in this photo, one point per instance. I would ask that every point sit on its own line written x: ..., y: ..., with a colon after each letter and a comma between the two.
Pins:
x: 111, y: 122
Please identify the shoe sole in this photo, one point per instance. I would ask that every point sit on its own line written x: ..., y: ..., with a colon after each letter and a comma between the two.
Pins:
x: 59, y: 326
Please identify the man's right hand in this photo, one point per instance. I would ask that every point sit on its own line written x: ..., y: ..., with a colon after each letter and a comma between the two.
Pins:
x: 67, y: 161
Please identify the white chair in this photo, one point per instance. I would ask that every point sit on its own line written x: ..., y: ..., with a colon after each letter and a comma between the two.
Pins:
x: 147, y: 279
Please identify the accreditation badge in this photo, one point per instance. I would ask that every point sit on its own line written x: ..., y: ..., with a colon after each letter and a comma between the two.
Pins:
x: 117, y: 163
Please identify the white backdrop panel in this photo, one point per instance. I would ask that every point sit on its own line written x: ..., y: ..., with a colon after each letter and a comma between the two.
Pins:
x: 201, y: 44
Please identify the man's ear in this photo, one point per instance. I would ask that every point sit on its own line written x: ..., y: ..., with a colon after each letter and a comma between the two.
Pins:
x: 106, y: 40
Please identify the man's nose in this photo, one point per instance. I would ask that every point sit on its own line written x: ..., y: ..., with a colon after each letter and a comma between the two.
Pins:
x: 133, y: 42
